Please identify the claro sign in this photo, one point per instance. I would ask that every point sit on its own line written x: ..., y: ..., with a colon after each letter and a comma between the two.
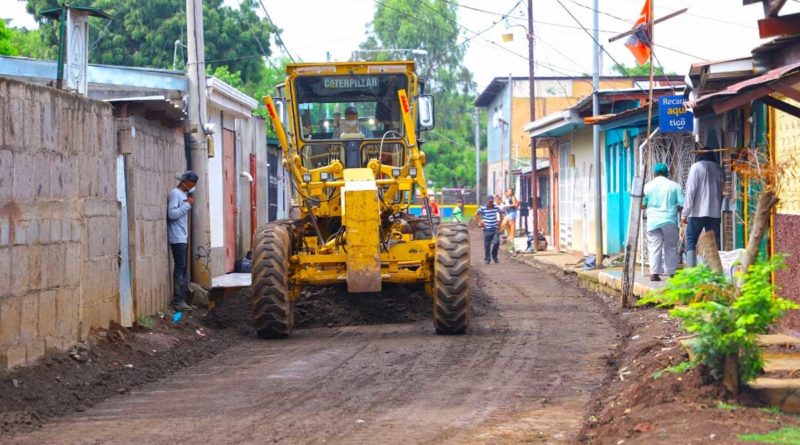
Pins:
x: 673, y: 116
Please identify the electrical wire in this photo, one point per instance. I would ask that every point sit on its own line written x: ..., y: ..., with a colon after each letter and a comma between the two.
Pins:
x: 621, y: 66
x: 278, y: 37
x: 503, y: 17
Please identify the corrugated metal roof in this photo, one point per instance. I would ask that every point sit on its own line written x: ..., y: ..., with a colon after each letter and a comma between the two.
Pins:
x: 739, y: 87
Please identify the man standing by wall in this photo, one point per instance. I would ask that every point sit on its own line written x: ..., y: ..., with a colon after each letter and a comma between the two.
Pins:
x: 488, y: 218
x: 703, y: 204
x: 179, y: 203
x: 663, y: 200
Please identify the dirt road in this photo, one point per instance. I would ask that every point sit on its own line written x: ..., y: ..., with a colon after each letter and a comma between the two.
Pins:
x: 524, y: 373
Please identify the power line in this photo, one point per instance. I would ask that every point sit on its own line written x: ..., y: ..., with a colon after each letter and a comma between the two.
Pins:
x: 713, y: 19
x: 493, y: 24
x: 680, y: 52
x: 277, y: 34
x: 621, y: 66
x: 629, y: 22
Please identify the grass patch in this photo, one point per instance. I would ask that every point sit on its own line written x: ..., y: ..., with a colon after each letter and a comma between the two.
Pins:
x: 784, y: 436
x: 728, y: 406
x: 772, y: 410
x: 146, y: 322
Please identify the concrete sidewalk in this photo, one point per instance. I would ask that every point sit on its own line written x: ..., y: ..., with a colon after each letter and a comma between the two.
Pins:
x: 607, y: 280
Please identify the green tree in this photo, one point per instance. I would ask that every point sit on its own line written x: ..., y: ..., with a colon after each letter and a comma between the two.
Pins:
x: 432, y: 25
x: 640, y: 70
x: 6, y: 45
x: 28, y: 43
x: 143, y: 33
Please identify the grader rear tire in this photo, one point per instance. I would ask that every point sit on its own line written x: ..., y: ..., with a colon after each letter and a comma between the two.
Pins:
x: 451, y: 300
x: 273, y: 309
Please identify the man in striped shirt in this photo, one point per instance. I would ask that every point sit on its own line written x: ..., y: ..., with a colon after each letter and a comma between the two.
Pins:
x: 489, y: 217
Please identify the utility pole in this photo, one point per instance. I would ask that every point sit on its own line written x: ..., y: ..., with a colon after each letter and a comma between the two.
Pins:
x: 598, y: 183
x: 476, y: 118
x: 198, y: 116
x: 534, y: 172
x: 507, y: 177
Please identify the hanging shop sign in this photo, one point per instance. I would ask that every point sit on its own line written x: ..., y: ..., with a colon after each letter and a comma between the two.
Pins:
x: 673, y: 116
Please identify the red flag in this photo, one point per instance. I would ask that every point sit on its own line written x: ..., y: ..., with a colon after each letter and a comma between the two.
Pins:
x: 639, y: 42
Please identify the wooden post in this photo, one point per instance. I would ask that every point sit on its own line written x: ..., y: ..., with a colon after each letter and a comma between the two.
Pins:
x: 767, y: 200
x: 708, y: 249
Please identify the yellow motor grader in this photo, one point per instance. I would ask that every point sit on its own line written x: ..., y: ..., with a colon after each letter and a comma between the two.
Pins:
x: 348, y: 132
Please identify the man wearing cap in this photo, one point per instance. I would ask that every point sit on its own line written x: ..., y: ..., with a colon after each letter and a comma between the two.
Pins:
x: 489, y: 217
x: 179, y: 203
x: 703, y: 209
x: 663, y: 201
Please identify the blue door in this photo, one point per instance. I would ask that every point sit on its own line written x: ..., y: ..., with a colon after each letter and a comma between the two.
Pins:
x: 620, y: 168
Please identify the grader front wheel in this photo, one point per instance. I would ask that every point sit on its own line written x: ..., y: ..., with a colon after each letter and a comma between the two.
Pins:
x: 273, y: 308
x: 451, y: 301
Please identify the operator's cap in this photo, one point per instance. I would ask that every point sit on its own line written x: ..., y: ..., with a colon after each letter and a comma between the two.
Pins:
x: 661, y: 169
x: 189, y: 176
x: 490, y: 198
x: 350, y: 111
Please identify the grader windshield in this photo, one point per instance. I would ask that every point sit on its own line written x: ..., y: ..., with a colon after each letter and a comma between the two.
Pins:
x: 338, y: 109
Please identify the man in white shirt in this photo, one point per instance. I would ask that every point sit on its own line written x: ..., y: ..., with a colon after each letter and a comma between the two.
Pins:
x: 179, y: 204
x: 702, y: 208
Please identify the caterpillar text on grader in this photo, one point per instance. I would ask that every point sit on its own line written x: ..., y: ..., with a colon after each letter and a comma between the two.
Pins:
x: 348, y: 134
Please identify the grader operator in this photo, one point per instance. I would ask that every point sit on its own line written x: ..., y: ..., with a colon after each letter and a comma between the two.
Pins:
x: 348, y: 132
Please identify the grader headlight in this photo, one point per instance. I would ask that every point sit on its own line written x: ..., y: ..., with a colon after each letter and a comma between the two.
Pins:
x: 306, y: 177
x: 395, y: 172
x: 412, y: 172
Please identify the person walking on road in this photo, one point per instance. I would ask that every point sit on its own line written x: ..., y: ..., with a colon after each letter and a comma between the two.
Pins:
x: 179, y: 203
x: 489, y: 217
x: 663, y: 202
x: 702, y: 208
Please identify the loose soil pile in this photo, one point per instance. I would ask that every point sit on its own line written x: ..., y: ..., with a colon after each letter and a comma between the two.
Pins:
x: 687, y: 408
x: 117, y: 360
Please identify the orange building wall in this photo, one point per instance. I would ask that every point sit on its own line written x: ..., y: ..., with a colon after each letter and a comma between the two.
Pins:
x: 520, y: 110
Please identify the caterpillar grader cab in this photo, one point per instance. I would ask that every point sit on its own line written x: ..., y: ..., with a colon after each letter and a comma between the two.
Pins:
x: 348, y: 132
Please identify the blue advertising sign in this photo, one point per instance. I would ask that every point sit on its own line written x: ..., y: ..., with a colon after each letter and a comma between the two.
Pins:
x: 673, y: 116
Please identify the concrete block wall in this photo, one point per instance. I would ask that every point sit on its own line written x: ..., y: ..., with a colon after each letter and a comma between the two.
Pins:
x: 59, y: 220
x: 157, y: 156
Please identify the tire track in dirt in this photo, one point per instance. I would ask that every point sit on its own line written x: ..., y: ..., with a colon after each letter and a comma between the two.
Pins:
x: 524, y: 372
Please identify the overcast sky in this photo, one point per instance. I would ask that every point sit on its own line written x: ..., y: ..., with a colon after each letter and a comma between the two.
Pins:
x: 711, y: 30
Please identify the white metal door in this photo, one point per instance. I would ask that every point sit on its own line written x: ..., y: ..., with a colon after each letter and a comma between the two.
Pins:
x: 566, y: 195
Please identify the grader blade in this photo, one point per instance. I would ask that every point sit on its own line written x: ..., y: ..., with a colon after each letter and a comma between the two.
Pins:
x: 360, y: 212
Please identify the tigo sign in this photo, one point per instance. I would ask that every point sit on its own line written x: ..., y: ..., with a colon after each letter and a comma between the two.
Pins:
x: 673, y: 115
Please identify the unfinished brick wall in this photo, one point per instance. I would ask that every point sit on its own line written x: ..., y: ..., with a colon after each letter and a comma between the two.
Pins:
x: 59, y: 220
x: 156, y: 157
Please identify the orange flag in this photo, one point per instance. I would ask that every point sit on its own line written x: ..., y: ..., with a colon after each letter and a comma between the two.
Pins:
x: 639, y: 42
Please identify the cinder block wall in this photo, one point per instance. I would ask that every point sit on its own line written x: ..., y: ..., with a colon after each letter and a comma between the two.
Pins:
x: 59, y: 220
x: 157, y: 156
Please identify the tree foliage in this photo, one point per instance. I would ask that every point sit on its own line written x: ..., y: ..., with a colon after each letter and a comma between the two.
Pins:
x: 432, y: 25
x: 724, y: 319
x: 28, y: 43
x: 640, y: 70
x: 143, y: 33
x: 6, y: 46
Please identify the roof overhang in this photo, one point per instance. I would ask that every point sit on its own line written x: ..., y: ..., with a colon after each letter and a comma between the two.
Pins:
x: 229, y: 99
x: 554, y: 125
x: 21, y: 67
x: 156, y: 108
x: 784, y: 81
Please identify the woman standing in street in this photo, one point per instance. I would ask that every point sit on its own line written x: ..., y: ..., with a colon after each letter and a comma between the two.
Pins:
x: 510, y: 205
